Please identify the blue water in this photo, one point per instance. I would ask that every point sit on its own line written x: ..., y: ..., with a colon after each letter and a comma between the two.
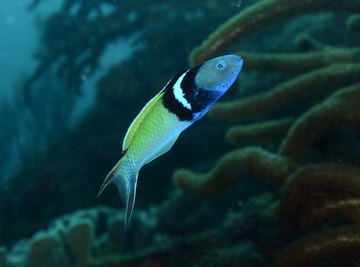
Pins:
x: 268, y: 180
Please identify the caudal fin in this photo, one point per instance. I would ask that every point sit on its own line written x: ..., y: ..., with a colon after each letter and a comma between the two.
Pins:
x: 126, y: 185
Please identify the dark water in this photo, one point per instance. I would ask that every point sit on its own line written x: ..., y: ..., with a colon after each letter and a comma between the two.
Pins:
x: 269, y: 178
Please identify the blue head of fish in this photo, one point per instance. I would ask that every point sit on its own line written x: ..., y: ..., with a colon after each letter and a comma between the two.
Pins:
x: 219, y: 73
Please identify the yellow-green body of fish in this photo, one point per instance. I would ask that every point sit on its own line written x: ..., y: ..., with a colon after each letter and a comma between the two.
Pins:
x: 185, y: 99
x: 152, y: 133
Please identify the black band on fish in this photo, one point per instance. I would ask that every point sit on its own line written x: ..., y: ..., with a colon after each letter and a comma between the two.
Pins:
x: 204, y: 99
x: 183, y: 98
x: 198, y: 98
x: 173, y: 105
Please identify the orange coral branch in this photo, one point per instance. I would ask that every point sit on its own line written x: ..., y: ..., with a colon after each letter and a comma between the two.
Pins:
x: 340, y: 109
x: 231, y: 168
x: 310, y: 250
x: 313, y: 216
x: 259, y: 16
x: 318, y: 82
x: 315, y: 184
x: 263, y: 131
x: 300, y: 62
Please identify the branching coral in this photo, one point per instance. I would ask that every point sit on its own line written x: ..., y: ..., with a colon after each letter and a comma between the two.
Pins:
x: 306, y: 87
x: 321, y: 93
x: 234, y: 166
x: 300, y: 62
x: 340, y: 109
x: 264, y: 131
x: 339, y: 245
x: 261, y: 15
x: 316, y: 193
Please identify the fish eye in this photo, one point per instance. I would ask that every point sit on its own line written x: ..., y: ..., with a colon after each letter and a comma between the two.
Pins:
x: 220, y: 65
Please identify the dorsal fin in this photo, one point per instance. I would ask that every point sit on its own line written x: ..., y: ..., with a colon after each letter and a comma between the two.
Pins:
x: 139, y: 118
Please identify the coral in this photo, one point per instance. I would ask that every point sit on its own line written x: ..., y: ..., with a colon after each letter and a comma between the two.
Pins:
x: 319, y: 82
x: 307, y: 123
x: 45, y: 249
x: 264, y: 131
x: 300, y: 62
x: 104, y: 246
x: 347, y: 208
x: 340, y: 245
x: 70, y: 240
x: 80, y: 236
x: 259, y: 16
x: 234, y: 166
x: 339, y: 109
x: 316, y: 193
x: 305, y: 42
x: 288, y: 118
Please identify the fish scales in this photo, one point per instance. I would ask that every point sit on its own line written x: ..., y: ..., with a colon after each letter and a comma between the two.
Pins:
x: 185, y: 99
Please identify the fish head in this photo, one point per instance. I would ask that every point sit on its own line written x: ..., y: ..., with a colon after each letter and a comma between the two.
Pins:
x: 219, y: 73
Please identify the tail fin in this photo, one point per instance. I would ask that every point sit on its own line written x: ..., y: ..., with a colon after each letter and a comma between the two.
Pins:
x: 126, y: 185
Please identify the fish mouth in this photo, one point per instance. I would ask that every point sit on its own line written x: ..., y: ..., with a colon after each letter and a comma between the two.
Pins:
x: 240, y: 62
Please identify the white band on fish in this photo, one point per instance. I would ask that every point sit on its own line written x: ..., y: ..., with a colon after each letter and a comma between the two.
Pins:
x: 179, y: 94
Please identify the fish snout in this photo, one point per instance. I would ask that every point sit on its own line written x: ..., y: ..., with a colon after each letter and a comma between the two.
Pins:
x: 239, y: 62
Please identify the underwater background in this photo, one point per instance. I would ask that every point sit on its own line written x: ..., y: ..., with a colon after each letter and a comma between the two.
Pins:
x: 270, y: 177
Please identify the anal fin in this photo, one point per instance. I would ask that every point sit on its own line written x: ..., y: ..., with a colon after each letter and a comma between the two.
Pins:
x: 167, y: 146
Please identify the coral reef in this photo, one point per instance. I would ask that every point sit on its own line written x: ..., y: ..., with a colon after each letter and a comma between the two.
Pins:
x: 69, y: 241
x: 302, y: 122
x: 303, y: 118
x: 94, y: 237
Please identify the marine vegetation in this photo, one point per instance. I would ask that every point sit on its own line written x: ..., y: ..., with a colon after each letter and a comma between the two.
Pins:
x: 286, y: 195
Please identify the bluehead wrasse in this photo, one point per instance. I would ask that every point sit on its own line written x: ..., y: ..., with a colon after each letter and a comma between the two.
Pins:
x: 184, y: 99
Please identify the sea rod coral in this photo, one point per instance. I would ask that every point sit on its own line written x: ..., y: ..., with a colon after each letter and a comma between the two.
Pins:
x: 315, y: 101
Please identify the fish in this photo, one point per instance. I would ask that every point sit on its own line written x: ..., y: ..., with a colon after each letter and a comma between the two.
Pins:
x: 185, y: 99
